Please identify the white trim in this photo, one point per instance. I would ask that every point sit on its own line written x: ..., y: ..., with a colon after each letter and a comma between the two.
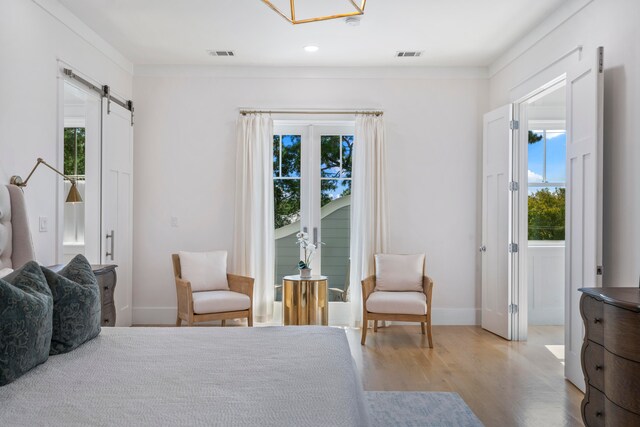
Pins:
x: 358, y: 73
x: 74, y: 24
x: 563, y: 13
x: 441, y: 316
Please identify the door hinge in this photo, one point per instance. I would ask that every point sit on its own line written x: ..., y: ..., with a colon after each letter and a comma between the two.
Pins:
x: 600, y: 59
x: 513, y: 308
x: 513, y: 248
x: 514, y: 186
x: 514, y: 125
x: 599, y: 270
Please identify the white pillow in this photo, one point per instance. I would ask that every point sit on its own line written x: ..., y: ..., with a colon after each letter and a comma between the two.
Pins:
x: 399, y: 272
x: 207, y: 271
x: 5, y: 272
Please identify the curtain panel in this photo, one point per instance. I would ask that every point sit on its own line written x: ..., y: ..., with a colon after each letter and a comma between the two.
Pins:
x: 254, y: 246
x: 369, y: 209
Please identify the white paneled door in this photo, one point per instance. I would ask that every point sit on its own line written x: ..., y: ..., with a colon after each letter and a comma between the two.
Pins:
x: 117, y: 181
x: 496, y: 259
x: 583, y: 250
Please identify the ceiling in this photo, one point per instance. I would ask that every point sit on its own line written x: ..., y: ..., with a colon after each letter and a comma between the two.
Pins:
x: 449, y: 32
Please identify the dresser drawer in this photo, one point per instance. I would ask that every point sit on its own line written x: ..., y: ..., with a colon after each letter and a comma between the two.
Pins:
x: 621, y: 381
x: 622, y: 329
x: 593, y: 408
x: 593, y: 364
x: 108, y: 315
x: 619, y: 417
x: 592, y: 311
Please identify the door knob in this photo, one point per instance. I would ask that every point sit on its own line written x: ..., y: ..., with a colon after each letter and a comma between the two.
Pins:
x: 483, y: 248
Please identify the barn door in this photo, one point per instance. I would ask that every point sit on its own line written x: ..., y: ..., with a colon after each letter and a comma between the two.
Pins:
x: 496, y: 248
x: 117, y: 181
x: 583, y: 251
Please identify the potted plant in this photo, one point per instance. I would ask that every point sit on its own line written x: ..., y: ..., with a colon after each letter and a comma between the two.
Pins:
x: 309, y: 249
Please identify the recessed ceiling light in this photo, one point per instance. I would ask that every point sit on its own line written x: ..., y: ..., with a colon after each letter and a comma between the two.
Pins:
x: 311, y: 48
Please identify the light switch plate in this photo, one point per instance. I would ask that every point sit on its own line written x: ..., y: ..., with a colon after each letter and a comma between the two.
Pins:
x: 44, y: 224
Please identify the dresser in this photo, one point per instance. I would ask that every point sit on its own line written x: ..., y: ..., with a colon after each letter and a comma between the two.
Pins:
x: 611, y: 356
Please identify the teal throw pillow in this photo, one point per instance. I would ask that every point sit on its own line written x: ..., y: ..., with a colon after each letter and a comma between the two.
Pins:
x: 76, y: 305
x: 26, y: 310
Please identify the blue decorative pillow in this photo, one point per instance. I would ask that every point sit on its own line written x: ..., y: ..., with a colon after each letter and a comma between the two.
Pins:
x: 76, y: 305
x: 26, y: 308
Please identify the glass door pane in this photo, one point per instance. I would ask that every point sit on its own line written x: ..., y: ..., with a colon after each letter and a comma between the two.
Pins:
x: 287, y: 179
x: 336, y: 147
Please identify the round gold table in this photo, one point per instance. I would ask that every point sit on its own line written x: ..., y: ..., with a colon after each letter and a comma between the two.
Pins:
x: 305, y: 301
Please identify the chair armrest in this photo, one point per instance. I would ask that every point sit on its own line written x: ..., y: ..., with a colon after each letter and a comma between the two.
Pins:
x: 368, y: 285
x: 185, y: 298
x: 427, y: 288
x: 241, y: 284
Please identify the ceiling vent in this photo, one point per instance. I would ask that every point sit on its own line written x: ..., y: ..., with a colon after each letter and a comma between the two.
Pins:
x: 221, y: 53
x: 408, y: 54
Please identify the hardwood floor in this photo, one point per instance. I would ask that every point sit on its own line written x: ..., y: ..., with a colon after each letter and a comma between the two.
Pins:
x: 505, y: 383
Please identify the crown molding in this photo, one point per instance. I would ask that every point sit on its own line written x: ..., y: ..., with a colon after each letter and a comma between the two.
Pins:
x: 249, y: 72
x: 73, y: 23
x: 562, y: 14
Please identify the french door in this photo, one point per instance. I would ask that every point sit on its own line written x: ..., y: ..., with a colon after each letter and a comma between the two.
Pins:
x: 312, y: 193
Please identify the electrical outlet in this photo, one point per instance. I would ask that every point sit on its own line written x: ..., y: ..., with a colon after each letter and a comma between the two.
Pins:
x: 174, y: 221
x: 44, y: 224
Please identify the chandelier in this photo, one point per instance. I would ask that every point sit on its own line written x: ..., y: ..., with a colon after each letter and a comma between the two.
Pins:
x: 355, y: 7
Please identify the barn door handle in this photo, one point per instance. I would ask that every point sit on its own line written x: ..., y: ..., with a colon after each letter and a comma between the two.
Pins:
x: 112, y: 237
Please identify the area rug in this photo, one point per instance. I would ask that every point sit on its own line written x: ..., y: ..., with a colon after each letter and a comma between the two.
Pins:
x: 413, y: 409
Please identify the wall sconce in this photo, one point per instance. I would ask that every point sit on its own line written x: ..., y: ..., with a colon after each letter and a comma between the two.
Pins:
x: 72, y: 197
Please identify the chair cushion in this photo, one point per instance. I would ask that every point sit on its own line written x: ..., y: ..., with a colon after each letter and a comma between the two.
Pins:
x: 207, y: 271
x: 5, y: 272
x: 219, y: 302
x: 76, y: 305
x: 26, y: 309
x: 399, y: 272
x: 397, y: 303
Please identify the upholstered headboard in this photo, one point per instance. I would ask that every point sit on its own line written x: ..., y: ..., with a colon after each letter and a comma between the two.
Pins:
x: 16, y: 246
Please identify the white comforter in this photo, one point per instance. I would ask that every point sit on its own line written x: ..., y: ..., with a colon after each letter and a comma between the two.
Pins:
x: 276, y: 376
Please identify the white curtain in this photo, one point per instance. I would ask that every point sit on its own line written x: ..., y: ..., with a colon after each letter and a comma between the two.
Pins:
x: 254, y: 247
x: 369, y: 210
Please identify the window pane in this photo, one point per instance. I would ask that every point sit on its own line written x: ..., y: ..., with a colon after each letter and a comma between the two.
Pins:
x: 276, y: 155
x: 286, y: 201
x: 333, y: 189
x: 556, y: 155
x: 536, y: 156
x: 291, y: 155
x: 74, y: 149
x: 335, y: 228
x: 330, y: 156
x: 347, y: 148
x: 546, y: 213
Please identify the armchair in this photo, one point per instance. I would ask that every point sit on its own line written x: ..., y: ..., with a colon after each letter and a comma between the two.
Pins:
x: 203, y: 305
x: 398, y: 291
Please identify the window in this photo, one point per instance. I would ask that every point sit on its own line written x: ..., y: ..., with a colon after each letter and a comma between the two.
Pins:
x: 547, y: 176
x: 312, y: 188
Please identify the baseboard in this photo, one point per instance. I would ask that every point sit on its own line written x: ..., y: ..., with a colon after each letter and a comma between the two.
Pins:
x: 338, y: 315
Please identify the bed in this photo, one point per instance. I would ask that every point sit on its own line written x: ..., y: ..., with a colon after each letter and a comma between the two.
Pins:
x: 268, y: 376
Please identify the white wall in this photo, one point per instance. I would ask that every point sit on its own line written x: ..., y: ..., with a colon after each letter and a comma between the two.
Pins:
x: 33, y: 36
x: 614, y: 25
x: 185, y: 165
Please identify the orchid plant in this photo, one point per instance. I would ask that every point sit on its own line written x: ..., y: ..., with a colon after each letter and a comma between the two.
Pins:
x: 309, y: 249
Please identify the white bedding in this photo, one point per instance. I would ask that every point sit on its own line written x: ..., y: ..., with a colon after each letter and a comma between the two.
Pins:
x: 276, y: 376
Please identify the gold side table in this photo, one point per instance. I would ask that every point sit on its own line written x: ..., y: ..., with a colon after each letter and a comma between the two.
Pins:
x: 305, y: 301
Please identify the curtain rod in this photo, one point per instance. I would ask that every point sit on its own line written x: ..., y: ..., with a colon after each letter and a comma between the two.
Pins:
x: 371, y: 113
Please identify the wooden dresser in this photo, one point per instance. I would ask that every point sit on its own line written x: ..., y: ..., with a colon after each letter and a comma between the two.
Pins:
x: 611, y: 356
x: 106, y: 275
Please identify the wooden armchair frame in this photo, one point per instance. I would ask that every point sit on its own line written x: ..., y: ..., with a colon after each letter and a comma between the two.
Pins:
x: 368, y: 286
x: 240, y: 284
